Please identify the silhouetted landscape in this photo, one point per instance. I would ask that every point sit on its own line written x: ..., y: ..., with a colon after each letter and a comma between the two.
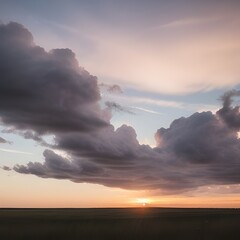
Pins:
x: 120, y: 223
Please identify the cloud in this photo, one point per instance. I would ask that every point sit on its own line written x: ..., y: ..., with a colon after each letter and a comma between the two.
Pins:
x: 164, y: 103
x: 111, y: 157
x: 117, y: 107
x: 14, y: 151
x: 2, y: 140
x: 6, y: 168
x: 196, y: 151
x: 116, y: 89
x: 47, y: 92
x: 230, y: 115
x: 145, y: 110
x: 150, y: 101
x: 191, y: 22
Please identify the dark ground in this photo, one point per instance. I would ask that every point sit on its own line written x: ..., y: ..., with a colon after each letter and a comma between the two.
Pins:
x: 124, y: 224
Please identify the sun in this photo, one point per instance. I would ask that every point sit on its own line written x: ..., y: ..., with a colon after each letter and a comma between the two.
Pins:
x: 143, y: 201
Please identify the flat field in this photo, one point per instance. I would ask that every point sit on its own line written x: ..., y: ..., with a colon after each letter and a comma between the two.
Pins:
x: 120, y: 223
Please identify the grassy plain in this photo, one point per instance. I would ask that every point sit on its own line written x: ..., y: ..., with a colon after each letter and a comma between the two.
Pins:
x: 120, y: 223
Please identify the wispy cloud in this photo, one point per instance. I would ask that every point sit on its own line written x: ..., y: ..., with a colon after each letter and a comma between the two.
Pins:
x: 14, y: 151
x: 111, y: 88
x: 165, y: 103
x: 146, y: 110
x: 186, y: 22
x: 6, y: 168
x: 151, y: 101
x: 117, y: 107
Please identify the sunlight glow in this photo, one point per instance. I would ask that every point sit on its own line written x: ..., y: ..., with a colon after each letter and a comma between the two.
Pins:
x: 143, y: 201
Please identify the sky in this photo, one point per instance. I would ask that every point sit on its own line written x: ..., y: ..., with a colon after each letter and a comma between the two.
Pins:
x: 119, y: 103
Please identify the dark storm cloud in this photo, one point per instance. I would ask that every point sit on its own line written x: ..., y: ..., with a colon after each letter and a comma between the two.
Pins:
x: 43, y: 91
x: 47, y: 92
x: 195, y: 151
x: 200, y: 138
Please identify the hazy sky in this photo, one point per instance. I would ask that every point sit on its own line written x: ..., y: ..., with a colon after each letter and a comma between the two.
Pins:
x: 105, y: 103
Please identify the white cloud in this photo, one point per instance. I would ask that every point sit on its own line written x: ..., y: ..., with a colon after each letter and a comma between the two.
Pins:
x: 164, y: 103
x: 14, y: 151
x: 145, y: 110
x: 150, y: 101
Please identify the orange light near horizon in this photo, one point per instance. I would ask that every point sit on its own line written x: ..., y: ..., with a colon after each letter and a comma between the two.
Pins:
x: 143, y: 201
